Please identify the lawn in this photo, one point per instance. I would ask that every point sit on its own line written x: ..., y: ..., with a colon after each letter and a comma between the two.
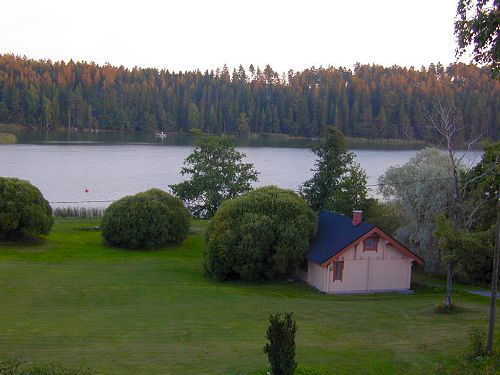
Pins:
x: 72, y: 300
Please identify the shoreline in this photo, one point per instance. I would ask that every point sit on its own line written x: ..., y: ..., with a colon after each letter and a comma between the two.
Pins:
x: 33, y: 135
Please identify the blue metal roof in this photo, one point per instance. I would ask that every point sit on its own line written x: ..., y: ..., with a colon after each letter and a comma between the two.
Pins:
x: 335, y: 232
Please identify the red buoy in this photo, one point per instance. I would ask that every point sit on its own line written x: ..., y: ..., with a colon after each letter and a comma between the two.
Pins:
x: 87, y: 190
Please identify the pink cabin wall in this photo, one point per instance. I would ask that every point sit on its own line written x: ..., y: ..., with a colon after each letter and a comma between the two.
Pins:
x: 383, y: 269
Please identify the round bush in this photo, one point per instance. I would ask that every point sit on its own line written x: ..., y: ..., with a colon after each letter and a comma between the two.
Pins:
x: 146, y: 220
x: 24, y: 212
x: 260, y: 235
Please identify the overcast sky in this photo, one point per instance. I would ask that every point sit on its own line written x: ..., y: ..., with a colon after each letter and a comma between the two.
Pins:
x: 192, y: 34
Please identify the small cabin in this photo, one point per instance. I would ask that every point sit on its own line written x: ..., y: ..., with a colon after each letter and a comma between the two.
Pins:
x: 348, y: 255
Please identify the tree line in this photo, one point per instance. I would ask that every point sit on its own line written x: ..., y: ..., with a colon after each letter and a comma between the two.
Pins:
x: 369, y: 101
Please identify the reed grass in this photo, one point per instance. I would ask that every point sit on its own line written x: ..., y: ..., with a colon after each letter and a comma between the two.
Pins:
x: 7, y: 138
x: 79, y: 212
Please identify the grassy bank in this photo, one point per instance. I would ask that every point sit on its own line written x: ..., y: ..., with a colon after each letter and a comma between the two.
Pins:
x: 7, y: 138
x: 72, y: 300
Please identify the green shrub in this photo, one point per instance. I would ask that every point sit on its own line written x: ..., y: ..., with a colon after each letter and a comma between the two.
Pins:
x: 280, y: 348
x: 477, y: 261
x: 477, y: 343
x: 262, y: 234
x: 146, y: 220
x: 24, y: 213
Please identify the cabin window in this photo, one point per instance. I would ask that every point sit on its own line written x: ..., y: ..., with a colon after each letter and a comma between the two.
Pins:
x: 370, y: 244
x: 337, y: 271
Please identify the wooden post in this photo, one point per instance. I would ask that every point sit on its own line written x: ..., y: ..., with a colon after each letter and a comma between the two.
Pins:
x: 494, y: 284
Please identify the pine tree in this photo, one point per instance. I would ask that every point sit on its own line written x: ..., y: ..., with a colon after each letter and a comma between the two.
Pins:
x: 280, y: 347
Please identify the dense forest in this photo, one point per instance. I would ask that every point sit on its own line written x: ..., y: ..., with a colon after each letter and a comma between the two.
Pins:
x: 367, y: 101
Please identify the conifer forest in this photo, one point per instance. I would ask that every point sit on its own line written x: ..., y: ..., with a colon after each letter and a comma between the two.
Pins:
x: 369, y: 101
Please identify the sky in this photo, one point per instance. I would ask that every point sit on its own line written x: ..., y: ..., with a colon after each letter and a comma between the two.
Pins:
x: 196, y: 34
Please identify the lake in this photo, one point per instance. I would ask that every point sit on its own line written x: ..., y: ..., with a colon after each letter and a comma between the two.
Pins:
x: 63, y: 172
x: 111, y: 165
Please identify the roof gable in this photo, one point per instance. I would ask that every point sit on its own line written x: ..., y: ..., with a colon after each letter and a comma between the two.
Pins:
x: 335, y: 232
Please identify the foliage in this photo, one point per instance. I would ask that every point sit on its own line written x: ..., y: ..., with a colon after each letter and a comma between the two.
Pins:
x: 472, y: 251
x: 388, y: 216
x: 243, y: 124
x: 145, y: 220
x: 339, y: 183
x: 411, y: 186
x: 24, y: 212
x: 79, y: 212
x: 477, y: 256
x: 484, y: 186
x: 369, y: 101
x: 262, y: 234
x: 478, y: 25
x: 449, y: 239
x: 477, y: 343
x: 280, y: 347
x: 217, y: 173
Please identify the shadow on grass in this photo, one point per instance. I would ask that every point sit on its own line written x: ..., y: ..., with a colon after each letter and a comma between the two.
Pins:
x: 25, y: 242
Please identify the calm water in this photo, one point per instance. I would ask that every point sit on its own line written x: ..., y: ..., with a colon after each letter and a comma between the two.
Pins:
x: 63, y: 172
x: 63, y: 164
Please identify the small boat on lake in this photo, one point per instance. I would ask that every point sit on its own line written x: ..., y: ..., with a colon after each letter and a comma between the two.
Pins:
x: 161, y: 135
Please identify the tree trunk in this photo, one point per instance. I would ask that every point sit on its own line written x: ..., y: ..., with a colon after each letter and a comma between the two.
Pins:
x: 449, y: 285
x: 494, y: 284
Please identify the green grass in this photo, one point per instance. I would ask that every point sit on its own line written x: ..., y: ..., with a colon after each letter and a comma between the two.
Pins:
x: 72, y: 300
x: 440, y: 281
x: 7, y: 138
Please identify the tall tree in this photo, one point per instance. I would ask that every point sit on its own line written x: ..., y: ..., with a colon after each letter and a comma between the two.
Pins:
x: 193, y: 116
x: 339, y: 183
x: 485, y: 187
x: 217, y: 173
x: 425, y: 175
x: 461, y: 214
x: 243, y: 124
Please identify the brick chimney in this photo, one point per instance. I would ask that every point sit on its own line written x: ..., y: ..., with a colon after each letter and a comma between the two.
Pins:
x: 356, y: 217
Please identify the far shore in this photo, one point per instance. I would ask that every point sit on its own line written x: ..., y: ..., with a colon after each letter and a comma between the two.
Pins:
x: 353, y: 142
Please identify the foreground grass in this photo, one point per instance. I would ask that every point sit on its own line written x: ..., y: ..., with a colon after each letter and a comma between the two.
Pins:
x: 72, y: 300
